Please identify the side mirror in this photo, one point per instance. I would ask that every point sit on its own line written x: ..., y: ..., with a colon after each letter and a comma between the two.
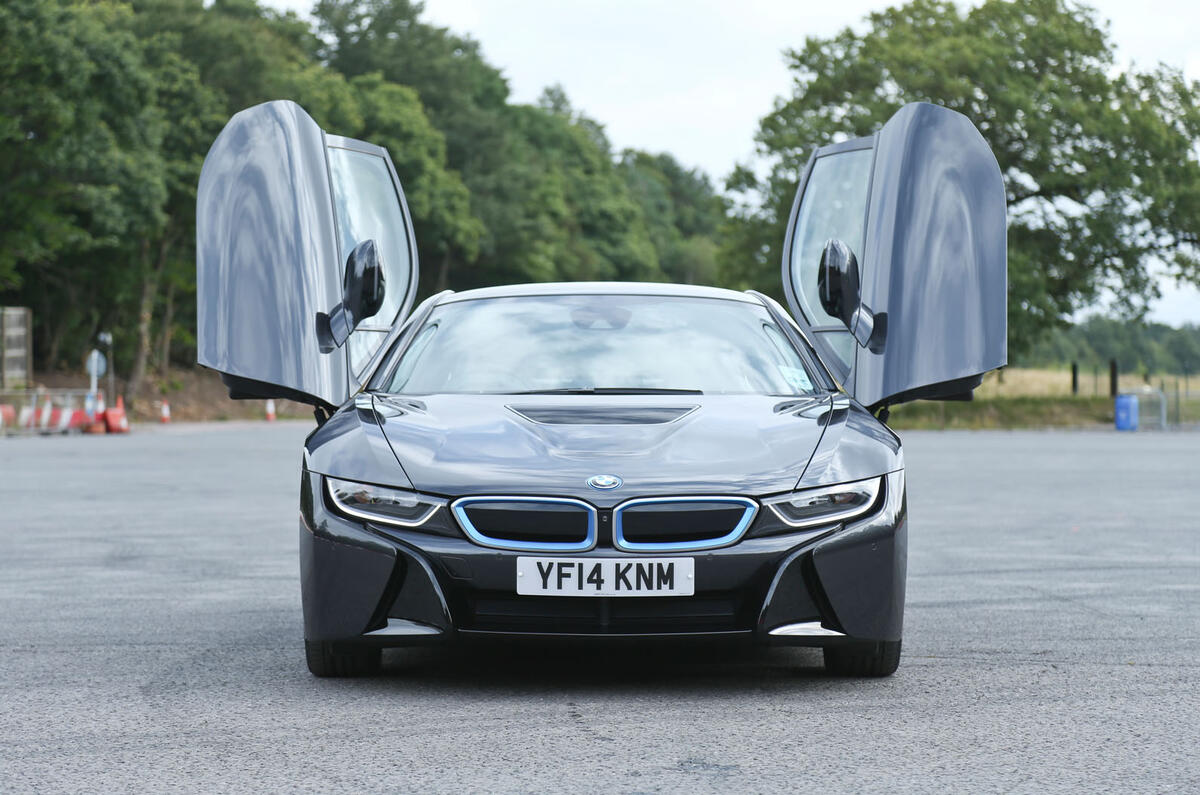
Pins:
x: 362, y: 297
x: 837, y: 281
x: 840, y: 290
x: 362, y: 289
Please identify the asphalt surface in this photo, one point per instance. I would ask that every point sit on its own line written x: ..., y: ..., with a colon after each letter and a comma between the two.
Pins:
x: 150, y: 639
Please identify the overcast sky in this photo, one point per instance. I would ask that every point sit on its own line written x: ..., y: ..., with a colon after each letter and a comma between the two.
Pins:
x: 693, y: 78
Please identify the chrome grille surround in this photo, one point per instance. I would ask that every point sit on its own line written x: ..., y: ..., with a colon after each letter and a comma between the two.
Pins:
x: 749, y: 510
x: 459, y: 506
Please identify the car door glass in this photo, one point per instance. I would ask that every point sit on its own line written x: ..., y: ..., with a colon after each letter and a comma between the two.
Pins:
x: 834, y: 205
x: 368, y: 208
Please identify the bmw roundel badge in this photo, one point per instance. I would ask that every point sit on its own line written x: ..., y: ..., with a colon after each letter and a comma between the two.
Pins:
x: 604, y: 482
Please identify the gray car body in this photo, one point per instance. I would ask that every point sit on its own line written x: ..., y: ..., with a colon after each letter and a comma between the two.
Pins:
x: 933, y: 275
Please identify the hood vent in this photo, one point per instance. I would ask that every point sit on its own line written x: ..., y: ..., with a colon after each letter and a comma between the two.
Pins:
x: 602, y: 415
x: 394, y: 406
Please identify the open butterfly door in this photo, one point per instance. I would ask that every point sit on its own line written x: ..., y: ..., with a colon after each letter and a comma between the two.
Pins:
x: 304, y: 257
x: 896, y: 260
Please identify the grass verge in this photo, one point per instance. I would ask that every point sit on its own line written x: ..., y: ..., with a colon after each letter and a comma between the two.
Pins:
x: 1004, y: 412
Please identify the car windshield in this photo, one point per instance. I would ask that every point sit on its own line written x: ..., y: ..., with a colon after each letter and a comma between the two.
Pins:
x: 601, y: 344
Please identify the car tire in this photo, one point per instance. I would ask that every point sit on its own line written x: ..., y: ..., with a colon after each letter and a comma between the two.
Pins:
x: 863, y: 659
x: 340, y: 659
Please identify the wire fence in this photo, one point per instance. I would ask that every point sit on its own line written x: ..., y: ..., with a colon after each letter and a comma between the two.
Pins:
x: 1167, y: 405
x: 1170, y: 401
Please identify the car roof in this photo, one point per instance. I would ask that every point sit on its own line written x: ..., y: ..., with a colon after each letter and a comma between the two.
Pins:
x: 600, y: 288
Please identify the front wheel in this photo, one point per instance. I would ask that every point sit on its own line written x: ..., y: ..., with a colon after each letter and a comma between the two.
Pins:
x: 880, y: 658
x: 340, y: 659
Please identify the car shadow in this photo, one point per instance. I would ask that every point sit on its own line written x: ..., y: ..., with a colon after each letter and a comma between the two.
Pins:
x: 517, y: 665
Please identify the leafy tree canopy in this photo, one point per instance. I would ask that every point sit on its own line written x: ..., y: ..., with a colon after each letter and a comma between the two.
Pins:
x: 1137, y: 347
x: 108, y: 109
x: 1100, y: 166
x: 79, y: 134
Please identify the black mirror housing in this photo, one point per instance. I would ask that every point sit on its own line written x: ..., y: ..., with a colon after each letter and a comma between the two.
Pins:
x: 362, y: 296
x: 840, y: 288
x: 363, y: 286
x: 838, y: 281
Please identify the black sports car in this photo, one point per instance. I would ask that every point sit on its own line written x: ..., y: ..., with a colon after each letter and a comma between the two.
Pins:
x: 609, y: 459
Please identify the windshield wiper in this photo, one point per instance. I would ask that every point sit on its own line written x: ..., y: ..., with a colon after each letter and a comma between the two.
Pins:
x: 609, y: 390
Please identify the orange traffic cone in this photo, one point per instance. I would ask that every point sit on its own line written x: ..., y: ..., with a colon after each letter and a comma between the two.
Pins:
x: 270, y: 411
x: 115, y: 418
x: 165, y: 415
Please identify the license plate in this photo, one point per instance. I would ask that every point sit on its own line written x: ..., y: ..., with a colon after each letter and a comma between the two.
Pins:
x: 606, y: 576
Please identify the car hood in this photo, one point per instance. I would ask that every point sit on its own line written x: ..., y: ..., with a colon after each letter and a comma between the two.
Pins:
x: 551, y: 444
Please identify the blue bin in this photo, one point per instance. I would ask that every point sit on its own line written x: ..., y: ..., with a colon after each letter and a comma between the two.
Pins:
x: 1127, y: 412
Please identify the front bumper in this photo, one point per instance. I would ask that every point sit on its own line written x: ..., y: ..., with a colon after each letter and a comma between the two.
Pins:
x: 367, y: 583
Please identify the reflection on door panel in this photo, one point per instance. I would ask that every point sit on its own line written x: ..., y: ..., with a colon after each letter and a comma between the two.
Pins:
x: 368, y: 209
x: 834, y: 206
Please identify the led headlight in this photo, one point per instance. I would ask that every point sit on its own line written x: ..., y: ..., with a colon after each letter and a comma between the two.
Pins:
x: 826, y: 505
x: 381, y: 504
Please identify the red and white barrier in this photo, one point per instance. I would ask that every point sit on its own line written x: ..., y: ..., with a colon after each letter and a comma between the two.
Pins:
x: 60, y: 411
x: 45, y: 415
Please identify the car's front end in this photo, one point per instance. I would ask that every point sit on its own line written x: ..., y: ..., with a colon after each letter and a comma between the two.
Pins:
x: 501, y: 537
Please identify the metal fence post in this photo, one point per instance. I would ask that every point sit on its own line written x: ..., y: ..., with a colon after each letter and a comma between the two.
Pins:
x: 1178, y: 406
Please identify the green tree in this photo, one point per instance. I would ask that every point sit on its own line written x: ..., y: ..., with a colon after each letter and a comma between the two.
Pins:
x: 80, y: 163
x: 565, y: 212
x: 463, y: 95
x: 394, y: 119
x: 209, y: 62
x: 1101, y: 169
x: 1136, y: 346
x: 543, y: 188
x: 191, y: 116
x: 682, y: 213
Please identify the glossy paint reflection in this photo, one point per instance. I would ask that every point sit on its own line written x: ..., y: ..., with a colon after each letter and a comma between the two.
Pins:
x: 934, y: 259
x: 476, y: 444
x: 266, y: 253
x: 854, y: 446
x: 936, y: 255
